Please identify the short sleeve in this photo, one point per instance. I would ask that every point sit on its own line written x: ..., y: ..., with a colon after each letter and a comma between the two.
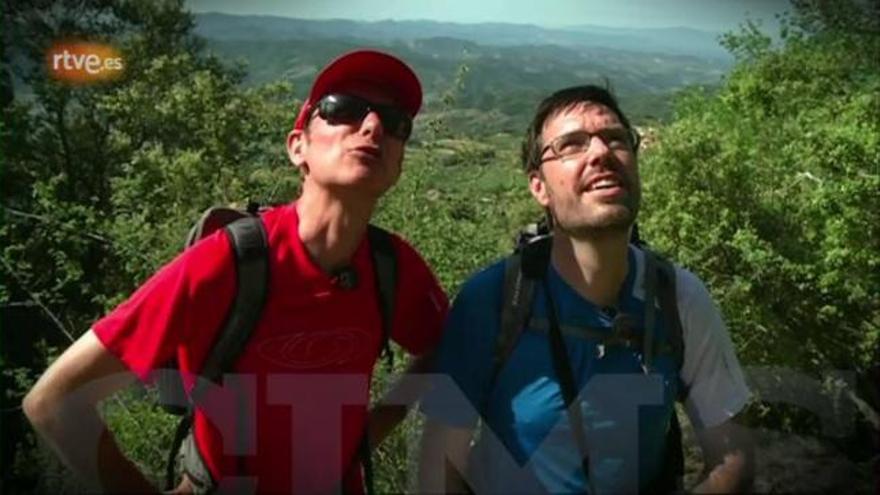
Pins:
x: 421, y: 305
x: 463, y: 364
x: 185, y: 301
x: 716, y: 386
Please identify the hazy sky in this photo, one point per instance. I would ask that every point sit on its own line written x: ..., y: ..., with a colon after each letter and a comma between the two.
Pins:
x: 710, y: 15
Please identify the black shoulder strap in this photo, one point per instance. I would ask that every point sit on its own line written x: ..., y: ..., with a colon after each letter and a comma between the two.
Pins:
x: 667, y: 294
x: 522, y: 270
x: 385, y: 269
x: 568, y: 385
x: 650, y: 288
x: 660, y: 282
x: 516, y: 304
x: 247, y: 237
x: 520, y: 276
x: 660, y: 286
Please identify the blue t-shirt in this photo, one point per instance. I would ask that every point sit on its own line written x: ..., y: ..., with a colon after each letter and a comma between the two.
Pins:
x: 529, y: 446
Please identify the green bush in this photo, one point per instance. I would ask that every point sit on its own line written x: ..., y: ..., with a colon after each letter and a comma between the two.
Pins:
x: 768, y: 190
x: 766, y: 187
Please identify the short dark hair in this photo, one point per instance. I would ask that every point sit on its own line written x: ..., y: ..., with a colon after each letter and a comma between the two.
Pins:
x: 555, y: 103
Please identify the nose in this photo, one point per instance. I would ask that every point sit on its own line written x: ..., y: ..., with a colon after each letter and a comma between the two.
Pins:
x: 598, y: 152
x: 372, y: 124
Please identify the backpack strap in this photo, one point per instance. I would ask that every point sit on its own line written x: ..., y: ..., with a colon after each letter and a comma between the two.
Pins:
x: 180, y: 433
x: 385, y: 269
x: 526, y: 266
x: 660, y: 283
x: 516, y: 306
x: 623, y: 334
x: 249, y: 242
x: 522, y: 270
x: 568, y: 385
x: 650, y: 289
x: 668, y: 298
x: 660, y: 287
x: 172, y: 396
x: 384, y: 259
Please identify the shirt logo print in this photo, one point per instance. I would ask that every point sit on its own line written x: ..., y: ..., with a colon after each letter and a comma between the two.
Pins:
x: 316, y: 349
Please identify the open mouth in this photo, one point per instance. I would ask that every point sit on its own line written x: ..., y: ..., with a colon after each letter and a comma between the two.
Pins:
x: 605, y: 183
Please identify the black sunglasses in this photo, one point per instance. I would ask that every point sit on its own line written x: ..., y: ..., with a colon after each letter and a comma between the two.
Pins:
x: 339, y: 108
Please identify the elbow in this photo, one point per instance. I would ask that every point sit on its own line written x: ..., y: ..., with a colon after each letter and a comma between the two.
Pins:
x: 42, y: 407
x: 37, y: 407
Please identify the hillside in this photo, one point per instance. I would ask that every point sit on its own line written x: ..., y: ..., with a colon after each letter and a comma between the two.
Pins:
x: 764, y: 186
x: 509, y: 67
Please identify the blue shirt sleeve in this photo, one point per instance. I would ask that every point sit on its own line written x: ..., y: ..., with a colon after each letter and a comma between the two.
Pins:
x: 463, y: 363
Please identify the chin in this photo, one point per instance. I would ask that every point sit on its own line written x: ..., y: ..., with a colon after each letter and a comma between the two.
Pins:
x: 369, y: 184
x: 618, y: 216
x: 592, y: 226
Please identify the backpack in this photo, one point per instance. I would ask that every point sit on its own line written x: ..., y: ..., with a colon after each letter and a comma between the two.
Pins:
x: 527, y: 267
x: 248, y: 238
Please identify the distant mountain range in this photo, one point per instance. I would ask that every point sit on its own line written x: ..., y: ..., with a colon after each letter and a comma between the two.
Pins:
x: 509, y: 67
x: 669, y: 41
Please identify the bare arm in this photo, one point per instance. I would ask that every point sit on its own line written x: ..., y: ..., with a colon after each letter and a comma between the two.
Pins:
x: 729, y: 454
x: 62, y: 407
x: 393, y: 408
x: 443, y: 457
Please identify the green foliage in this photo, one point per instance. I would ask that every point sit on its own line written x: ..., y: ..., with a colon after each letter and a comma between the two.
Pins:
x: 435, y: 126
x: 460, y: 213
x: 143, y: 430
x: 768, y: 190
x: 215, y: 145
x: 101, y: 182
x: 96, y: 173
x: 766, y: 187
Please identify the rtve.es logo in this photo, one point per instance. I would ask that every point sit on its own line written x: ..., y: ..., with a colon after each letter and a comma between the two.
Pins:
x: 81, y: 62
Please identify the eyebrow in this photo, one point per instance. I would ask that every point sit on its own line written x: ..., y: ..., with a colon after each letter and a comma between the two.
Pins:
x: 582, y: 130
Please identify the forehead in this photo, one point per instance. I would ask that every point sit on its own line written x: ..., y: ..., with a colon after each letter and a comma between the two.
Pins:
x: 368, y: 90
x: 582, y: 115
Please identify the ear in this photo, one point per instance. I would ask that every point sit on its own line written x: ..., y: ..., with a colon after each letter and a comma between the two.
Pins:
x: 296, y: 148
x: 538, y: 188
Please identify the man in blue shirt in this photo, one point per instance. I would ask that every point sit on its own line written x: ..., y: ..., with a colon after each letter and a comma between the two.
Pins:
x: 580, y: 158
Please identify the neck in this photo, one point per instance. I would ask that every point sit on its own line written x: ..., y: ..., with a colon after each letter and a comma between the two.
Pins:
x: 594, y: 265
x: 331, y: 227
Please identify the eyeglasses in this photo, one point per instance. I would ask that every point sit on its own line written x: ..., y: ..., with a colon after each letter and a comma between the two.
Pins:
x: 338, y: 108
x: 578, y: 142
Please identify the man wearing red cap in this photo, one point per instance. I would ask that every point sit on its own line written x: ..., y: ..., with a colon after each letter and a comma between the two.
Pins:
x: 306, y: 369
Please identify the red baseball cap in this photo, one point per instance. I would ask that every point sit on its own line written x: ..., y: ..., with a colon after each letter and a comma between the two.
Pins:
x: 371, y: 66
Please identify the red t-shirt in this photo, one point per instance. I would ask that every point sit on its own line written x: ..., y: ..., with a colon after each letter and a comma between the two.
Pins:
x: 308, y: 362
